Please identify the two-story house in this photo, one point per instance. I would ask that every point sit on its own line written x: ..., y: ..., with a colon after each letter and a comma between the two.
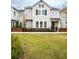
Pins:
x: 15, y: 16
x: 41, y: 15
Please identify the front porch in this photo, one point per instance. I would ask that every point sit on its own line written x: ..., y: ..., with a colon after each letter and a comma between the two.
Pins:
x: 55, y: 24
x: 14, y: 23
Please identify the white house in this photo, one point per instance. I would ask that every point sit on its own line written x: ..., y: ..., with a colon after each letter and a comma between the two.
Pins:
x: 41, y: 15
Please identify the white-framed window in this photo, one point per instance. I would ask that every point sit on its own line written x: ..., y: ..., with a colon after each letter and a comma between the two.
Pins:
x: 43, y: 12
x: 37, y: 24
x: 55, y: 12
x: 36, y: 12
x: 41, y: 24
x: 39, y: 5
x: 42, y: 5
x: 29, y: 11
x: 39, y: 12
x: 45, y: 24
x: 14, y: 13
x: 65, y: 22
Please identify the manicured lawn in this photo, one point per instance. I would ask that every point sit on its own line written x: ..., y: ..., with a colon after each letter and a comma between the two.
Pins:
x: 43, y: 46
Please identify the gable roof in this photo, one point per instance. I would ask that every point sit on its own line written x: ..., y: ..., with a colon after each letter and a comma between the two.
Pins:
x: 15, y: 8
x: 30, y: 7
x: 64, y: 9
x: 21, y: 11
x: 41, y: 1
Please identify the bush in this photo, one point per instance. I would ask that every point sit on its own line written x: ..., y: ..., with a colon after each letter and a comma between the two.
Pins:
x: 16, y: 49
x: 36, y: 30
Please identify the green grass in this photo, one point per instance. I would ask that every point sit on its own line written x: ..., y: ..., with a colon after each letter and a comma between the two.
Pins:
x: 44, y: 46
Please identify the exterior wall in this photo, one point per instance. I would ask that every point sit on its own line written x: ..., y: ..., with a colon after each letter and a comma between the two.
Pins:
x: 22, y: 18
x: 55, y: 14
x: 63, y: 23
x: 42, y: 20
x: 16, y: 16
x: 37, y: 7
x: 41, y: 17
x: 28, y: 13
x: 63, y: 14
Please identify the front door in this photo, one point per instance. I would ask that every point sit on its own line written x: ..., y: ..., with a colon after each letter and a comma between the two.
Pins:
x: 52, y: 25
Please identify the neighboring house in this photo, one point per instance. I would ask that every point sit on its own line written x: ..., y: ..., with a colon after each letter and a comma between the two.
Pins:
x: 63, y: 14
x: 41, y: 15
x: 15, y: 16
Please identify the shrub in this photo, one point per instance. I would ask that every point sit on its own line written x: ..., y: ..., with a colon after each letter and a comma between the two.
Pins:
x: 16, y: 49
x: 36, y: 30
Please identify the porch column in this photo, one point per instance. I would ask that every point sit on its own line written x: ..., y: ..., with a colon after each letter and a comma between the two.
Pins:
x: 59, y: 25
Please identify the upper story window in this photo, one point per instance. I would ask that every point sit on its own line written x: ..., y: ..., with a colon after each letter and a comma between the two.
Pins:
x: 21, y: 14
x: 42, y: 5
x: 39, y: 5
x: 29, y: 11
x: 36, y: 12
x: 39, y: 12
x: 14, y: 13
x: 45, y: 12
x: 52, y: 12
x: 55, y: 12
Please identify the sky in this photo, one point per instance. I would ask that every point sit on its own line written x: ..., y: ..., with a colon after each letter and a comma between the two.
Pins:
x: 20, y: 4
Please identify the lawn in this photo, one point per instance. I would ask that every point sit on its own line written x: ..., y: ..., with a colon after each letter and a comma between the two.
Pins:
x: 43, y: 46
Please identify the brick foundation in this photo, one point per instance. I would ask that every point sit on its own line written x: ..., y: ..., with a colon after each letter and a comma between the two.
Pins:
x: 63, y: 30
x: 16, y: 29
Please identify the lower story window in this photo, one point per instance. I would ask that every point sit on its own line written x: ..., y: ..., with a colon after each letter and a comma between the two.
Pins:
x: 45, y: 24
x: 41, y: 24
x: 13, y: 24
x: 37, y: 24
x: 20, y: 24
x: 65, y: 22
